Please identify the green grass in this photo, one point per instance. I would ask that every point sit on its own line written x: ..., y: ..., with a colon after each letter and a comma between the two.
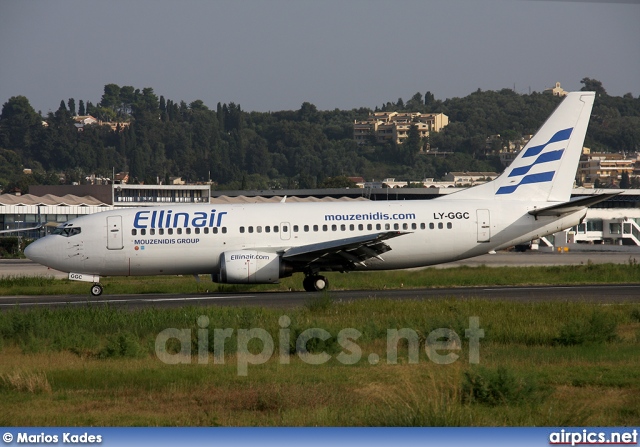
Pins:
x: 97, y: 366
x: 430, y: 277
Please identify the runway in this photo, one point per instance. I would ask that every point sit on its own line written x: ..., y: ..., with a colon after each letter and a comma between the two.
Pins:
x: 606, y: 294
x: 610, y: 294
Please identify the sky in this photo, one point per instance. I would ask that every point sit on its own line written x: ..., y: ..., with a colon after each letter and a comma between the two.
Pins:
x: 269, y: 55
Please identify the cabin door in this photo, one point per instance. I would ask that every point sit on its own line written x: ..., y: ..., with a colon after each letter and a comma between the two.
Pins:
x: 114, y: 233
x: 484, y: 226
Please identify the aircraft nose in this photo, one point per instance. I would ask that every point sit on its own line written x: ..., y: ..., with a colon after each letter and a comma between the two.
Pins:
x: 36, y: 251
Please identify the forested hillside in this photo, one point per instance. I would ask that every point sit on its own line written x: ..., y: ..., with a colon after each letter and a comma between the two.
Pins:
x: 288, y: 149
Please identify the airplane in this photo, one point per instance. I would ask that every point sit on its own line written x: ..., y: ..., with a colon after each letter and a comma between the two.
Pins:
x: 262, y: 243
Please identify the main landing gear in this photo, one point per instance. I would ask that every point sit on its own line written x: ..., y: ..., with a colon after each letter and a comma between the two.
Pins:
x: 96, y: 290
x: 315, y: 283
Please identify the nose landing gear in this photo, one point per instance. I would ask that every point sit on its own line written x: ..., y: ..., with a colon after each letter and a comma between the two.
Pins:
x: 96, y: 290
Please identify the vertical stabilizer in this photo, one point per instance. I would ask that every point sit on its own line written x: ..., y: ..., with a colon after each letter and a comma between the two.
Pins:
x: 545, y: 169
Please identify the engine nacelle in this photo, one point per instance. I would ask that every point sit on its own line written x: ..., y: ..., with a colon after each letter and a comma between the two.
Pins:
x: 250, y: 267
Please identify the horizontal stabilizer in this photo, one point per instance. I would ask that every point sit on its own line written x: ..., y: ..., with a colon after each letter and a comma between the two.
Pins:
x: 572, y: 205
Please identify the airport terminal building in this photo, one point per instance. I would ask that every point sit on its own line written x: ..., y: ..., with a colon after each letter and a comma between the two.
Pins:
x: 615, y: 221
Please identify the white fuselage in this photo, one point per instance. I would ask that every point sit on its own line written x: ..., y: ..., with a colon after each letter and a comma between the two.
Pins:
x: 189, y: 239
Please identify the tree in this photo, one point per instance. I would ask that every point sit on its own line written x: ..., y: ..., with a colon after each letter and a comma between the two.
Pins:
x: 111, y: 97
x: 411, y: 145
x: 429, y: 99
x: 81, y: 111
x: 593, y: 85
x: 18, y: 123
x: 337, y: 182
x: 625, y: 183
x: 72, y: 106
x: 308, y: 112
x: 415, y: 104
x: 127, y: 97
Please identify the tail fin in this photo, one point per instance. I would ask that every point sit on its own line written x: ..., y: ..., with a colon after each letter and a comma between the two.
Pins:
x: 545, y: 169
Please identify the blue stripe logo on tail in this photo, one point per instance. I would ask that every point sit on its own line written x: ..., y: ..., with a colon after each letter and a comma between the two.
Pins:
x: 561, y: 135
x: 546, y: 157
x: 528, y: 179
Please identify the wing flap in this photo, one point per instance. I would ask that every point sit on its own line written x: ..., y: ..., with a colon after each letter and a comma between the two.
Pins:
x: 341, y: 253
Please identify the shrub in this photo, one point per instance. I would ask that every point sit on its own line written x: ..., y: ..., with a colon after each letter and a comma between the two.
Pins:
x: 124, y: 344
x: 599, y: 328
x: 498, y: 387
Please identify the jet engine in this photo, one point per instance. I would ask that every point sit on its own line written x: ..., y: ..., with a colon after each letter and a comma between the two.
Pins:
x: 251, y: 267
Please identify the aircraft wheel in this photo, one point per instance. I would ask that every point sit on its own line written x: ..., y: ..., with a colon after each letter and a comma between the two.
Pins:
x: 96, y: 290
x: 315, y: 283
x: 320, y: 283
x: 307, y: 283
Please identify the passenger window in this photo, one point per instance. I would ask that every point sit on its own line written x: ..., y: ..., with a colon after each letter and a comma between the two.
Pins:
x: 396, y: 226
x: 306, y: 228
x: 378, y: 227
x: 267, y: 229
x: 422, y: 226
x: 179, y: 230
x: 197, y: 230
x: 295, y: 229
x: 161, y: 231
x: 325, y: 228
x: 449, y: 225
x: 133, y: 232
x: 431, y: 226
x: 352, y: 227
x: 285, y: 229
x: 387, y: 226
x: 440, y: 226
x: 360, y: 227
x: 258, y: 229
x: 152, y: 232
x: 206, y: 230
x: 275, y: 229
x: 405, y: 226
x: 215, y: 230
x: 143, y: 232
x: 250, y: 229
x: 414, y: 226
x: 224, y: 230
x: 315, y: 228
x: 187, y: 230
x: 241, y: 229
x: 169, y: 230
x: 334, y: 227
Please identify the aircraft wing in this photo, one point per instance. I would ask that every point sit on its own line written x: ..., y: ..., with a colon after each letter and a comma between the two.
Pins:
x: 19, y: 230
x: 341, y: 254
x: 572, y: 205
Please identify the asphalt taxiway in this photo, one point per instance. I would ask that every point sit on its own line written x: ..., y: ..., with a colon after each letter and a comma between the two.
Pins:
x: 609, y: 293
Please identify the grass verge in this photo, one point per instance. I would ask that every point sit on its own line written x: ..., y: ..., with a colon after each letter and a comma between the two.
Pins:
x: 98, y: 366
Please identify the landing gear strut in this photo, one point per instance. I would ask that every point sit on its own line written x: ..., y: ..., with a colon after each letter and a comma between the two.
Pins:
x: 96, y: 290
x: 315, y: 283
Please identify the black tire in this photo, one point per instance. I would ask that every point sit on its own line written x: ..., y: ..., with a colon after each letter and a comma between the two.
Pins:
x: 307, y: 284
x: 96, y: 290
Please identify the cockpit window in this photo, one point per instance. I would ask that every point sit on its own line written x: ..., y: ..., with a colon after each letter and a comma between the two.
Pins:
x: 67, y: 232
